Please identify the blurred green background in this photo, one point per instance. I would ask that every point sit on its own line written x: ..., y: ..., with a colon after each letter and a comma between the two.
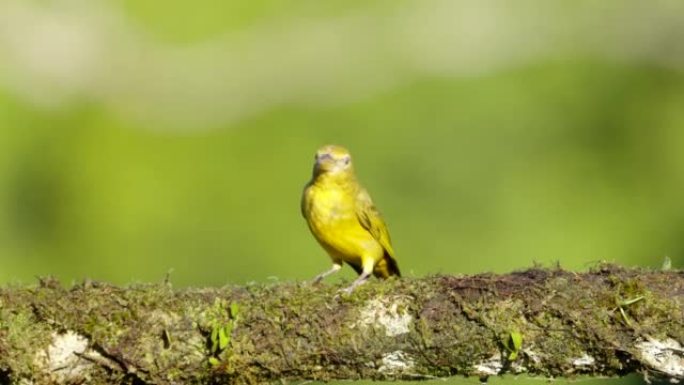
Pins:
x: 142, y: 136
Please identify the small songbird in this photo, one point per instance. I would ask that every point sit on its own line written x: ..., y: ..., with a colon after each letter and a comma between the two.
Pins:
x: 343, y: 219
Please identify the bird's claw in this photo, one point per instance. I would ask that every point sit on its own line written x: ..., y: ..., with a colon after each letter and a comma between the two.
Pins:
x: 346, y: 292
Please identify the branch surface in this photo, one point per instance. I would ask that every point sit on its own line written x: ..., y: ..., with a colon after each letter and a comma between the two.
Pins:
x: 610, y: 321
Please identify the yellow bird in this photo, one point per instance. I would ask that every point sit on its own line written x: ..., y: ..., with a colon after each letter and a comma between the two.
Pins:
x: 343, y: 219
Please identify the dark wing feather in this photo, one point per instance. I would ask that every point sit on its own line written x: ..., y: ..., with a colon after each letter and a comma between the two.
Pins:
x: 369, y: 217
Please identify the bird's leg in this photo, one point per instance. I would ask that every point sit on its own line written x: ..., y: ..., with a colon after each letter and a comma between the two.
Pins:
x: 334, y: 269
x: 363, y: 277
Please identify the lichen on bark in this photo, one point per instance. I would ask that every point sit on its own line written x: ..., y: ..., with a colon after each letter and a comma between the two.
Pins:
x: 609, y: 321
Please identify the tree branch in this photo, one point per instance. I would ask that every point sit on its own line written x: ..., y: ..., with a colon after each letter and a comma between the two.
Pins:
x: 553, y: 323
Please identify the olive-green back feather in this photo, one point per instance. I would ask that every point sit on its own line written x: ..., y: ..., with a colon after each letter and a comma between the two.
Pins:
x: 371, y: 220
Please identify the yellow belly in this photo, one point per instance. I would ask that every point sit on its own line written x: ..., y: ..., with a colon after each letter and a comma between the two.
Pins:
x: 333, y: 222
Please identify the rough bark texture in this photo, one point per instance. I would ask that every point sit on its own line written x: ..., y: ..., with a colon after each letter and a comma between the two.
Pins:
x: 607, y: 322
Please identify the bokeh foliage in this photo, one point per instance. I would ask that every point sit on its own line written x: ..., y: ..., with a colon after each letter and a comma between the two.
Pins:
x: 571, y: 157
x: 568, y: 162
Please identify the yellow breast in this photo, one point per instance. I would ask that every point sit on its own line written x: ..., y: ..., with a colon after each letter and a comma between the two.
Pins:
x: 331, y: 215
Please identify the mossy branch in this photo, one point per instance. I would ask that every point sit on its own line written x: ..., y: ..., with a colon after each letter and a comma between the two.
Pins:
x: 554, y: 323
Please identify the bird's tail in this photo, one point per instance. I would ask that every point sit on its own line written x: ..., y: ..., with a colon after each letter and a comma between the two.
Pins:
x: 392, y: 266
x: 387, y: 267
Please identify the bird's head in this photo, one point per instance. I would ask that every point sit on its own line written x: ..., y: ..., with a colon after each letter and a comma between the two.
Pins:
x: 332, y: 159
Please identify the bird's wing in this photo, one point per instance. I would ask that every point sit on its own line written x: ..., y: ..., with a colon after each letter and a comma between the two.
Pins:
x: 371, y: 220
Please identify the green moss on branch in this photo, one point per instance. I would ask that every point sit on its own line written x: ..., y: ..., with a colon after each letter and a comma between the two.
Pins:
x: 554, y: 323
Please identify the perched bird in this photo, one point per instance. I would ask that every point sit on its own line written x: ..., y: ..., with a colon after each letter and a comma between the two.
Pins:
x: 343, y: 219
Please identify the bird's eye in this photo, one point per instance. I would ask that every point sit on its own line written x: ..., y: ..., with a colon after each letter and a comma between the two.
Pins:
x: 347, y: 159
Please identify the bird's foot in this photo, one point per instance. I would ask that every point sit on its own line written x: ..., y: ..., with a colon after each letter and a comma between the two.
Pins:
x: 335, y: 268
x: 317, y: 280
x: 346, y: 291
